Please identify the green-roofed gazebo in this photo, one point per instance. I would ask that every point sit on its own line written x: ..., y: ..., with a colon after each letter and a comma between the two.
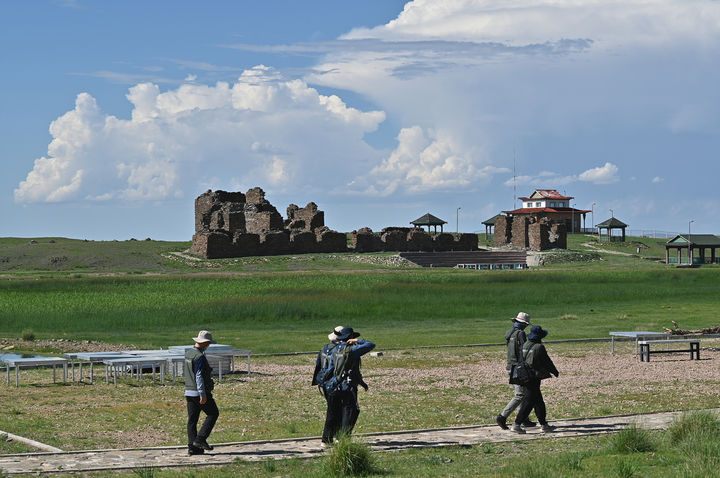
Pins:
x: 692, y: 242
x: 609, y: 225
x: 429, y: 220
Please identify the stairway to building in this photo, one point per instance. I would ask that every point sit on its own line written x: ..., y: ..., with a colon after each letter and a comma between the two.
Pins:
x: 493, y: 260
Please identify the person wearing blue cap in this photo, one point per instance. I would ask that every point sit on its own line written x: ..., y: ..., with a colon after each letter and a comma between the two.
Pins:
x: 543, y: 367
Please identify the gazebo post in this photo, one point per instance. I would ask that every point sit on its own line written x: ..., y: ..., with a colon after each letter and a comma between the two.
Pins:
x: 667, y: 255
x: 623, y: 230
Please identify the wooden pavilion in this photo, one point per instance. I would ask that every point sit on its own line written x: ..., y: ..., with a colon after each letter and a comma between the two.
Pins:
x: 701, y: 242
x: 609, y: 225
x: 429, y: 220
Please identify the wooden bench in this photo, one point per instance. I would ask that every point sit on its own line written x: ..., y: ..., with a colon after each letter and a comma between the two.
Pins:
x: 693, y: 344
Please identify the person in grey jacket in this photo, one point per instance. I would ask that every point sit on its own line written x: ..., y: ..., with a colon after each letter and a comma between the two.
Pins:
x: 515, y: 338
x: 543, y: 367
x: 198, y: 394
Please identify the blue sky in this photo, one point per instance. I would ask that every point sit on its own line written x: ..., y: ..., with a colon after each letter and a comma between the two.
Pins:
x: 116, y: 115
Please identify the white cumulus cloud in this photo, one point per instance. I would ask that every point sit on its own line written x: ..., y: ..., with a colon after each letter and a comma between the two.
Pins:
x: 605, y: 174
x: 427, y: 161
x: 260, y: 129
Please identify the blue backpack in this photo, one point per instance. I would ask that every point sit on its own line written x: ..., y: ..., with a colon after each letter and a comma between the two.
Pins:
x: 334, y: 368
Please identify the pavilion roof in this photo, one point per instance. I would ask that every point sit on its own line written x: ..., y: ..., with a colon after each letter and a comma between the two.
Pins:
x: 695, y: 239
x: 428, y: 220
x: 612, y: 223
x: 491, y: 221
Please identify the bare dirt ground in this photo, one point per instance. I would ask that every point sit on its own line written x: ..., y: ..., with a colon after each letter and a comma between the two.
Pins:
x: 63, y: 345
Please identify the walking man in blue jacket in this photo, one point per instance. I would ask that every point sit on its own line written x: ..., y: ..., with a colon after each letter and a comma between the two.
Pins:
x: 198, y: 394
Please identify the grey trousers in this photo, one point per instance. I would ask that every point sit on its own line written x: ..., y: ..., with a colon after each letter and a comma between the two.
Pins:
x: 514, y: 402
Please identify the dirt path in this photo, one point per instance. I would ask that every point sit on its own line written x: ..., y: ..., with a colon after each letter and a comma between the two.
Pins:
x: 174, y: 457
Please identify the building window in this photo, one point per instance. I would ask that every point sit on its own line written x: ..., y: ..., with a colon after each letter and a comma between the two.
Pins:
x: 537, y: 204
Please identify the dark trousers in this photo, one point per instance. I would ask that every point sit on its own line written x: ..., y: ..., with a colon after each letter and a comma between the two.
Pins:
x: 342, y: 414
x: 194, y: 408
x: 533, y: 399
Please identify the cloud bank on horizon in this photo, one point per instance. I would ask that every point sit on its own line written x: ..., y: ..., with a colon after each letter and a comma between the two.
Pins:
x: 461, y: 78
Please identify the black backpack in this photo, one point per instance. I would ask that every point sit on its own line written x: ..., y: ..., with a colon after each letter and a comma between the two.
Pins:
x: 335, y: 366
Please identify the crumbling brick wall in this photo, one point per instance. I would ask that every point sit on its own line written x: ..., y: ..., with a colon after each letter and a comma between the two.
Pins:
x: 503, y: 231
x: 233, y: 224
x: 533, y: 232
x: 306, y: 219
x: 365, y: 240
x: 520, y: 232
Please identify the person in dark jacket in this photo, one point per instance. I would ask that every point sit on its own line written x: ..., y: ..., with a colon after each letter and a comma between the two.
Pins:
x: 342, y: 404
x: 198, y: 394
x: 515, y: 338
x: 543, y: 367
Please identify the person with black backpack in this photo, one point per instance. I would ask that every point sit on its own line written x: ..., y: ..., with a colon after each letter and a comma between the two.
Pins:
x: 337, y: 375
x: 515, y: 338
x: 542, y: 367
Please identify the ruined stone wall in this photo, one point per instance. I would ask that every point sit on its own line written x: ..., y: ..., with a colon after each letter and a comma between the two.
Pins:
x: 520, y: 232
x: 538, y: 236
x: 536, y: 233
x: 503, y: 231
x: 307, y: 219
x: 233, y: 224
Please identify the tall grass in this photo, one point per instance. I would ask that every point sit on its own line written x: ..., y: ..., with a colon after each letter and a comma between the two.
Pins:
x: 633, y: 440
x: 444, y: 304
x: 348, y: 457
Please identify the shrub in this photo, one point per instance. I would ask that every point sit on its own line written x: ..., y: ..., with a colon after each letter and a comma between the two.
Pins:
x: 633, y: 440
x: 349, y: 458
x: 695, y: 426
x: 28, y: 335
x: 625, y: 469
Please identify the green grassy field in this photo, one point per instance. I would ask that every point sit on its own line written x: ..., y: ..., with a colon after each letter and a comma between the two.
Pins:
x: 133, y: 292
x: 430, y: 307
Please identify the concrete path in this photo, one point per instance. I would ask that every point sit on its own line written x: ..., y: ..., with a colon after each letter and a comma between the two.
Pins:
x: 166, y: 457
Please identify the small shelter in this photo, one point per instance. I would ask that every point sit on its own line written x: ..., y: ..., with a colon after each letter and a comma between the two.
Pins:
x: 692, y: 242
x: 429, y: 220
x: 609, y: 225
x: 489, y: 225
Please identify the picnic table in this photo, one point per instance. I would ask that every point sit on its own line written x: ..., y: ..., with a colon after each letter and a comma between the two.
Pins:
x: 92, y: 358
x: 637, y: 335
x: 122, y: 364
x: 34, y: 362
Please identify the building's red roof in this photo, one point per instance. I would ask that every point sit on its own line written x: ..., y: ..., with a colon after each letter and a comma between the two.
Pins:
x: 533, y: 210
x: 548, y: 194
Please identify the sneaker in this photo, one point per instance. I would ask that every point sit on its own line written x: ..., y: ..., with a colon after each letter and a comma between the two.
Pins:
x: 324, y: 445
x: 516, y: 428
x: 192, y: 450
x: 501, y: 421
x: 528, y: 423
x: 202, y: 443
x: 547, y: 428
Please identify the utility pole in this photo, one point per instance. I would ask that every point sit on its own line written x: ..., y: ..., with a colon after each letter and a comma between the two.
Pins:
x: 592, y: 212
x: 457, y: 220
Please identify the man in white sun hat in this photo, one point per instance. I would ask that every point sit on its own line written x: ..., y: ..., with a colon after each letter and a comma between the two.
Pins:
x: 198, y: 394
x: 515, y: 338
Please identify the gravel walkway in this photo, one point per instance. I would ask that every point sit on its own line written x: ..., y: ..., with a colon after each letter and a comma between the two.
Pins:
x: 167, y: 457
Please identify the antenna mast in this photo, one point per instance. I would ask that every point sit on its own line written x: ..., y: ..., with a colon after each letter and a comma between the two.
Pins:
x: 514, y: 182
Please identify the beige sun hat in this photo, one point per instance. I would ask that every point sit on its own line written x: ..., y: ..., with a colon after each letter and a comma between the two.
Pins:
x: 204, y: 336
x: 522, y: 317
x: 334, y: 335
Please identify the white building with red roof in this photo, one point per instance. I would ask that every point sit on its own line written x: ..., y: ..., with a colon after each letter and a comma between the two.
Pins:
x: 553, y: 205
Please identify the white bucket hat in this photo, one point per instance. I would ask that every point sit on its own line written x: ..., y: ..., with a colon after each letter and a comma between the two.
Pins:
x: 204, y: 336
x: 333, y: 336
x: 522, y: 317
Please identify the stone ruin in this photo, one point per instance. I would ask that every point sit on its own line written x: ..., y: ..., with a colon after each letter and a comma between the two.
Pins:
x: 233, y: 224
x: 529, y: 232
